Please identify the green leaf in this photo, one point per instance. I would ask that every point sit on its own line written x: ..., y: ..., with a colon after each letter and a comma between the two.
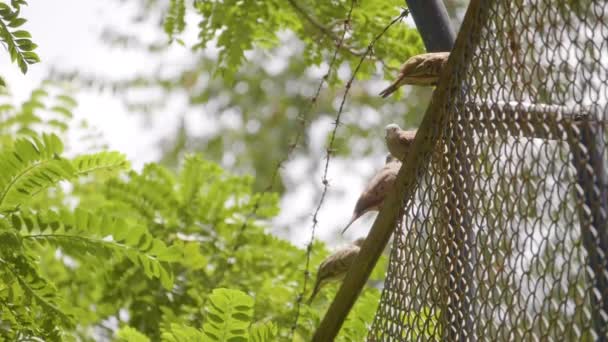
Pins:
x: 17, y: 42
x: 102, y: 161
x: 82, y: 232
x: 182, y: 333
x: 34, y: 288
x: 67, y: 101
x: 129, y: 334
x: 263, y: 332
x: 22, y: 34
x: 228, y: 315
x: 17, y: 22
x: 175, y: 19
x: 62, y: 110
x: 32, y: 166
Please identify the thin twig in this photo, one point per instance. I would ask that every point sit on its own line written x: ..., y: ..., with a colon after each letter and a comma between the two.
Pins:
x: 339, y: 41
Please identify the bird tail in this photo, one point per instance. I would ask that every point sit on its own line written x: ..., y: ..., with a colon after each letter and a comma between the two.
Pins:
x: 352, y: 219
x: 388, y: 91
x: 314, y: 292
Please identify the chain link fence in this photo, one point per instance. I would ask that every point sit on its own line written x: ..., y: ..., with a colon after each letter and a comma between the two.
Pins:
x: 506, y: 237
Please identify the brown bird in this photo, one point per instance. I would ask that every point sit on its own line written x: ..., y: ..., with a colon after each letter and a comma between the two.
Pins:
x: 398, y: 141
x: 421, y: 70
x: 372, y: 197
x: 335, y: 266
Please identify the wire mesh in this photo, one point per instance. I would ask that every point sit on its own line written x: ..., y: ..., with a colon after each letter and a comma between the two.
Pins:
x: 505, y: 237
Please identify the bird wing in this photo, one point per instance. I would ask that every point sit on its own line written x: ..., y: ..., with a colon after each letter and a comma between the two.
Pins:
x: 421, y: 69
x: 334, y: 267
x: 411, y: 65
x: 436, y: 62
x: 372, y: 197
x: 337, y: 264
x: 377, y: 188
x: 429, y: 64
x: 406, y: 137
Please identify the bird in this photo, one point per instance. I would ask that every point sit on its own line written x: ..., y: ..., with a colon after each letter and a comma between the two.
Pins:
x: 335, y: 266
x: 398, y: 141
x: 372, y: 197
x: 423, y: 69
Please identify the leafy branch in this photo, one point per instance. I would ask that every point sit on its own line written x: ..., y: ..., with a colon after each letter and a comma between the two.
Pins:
x: 339, y: 41
x: 175, y: 19
x: 18, y: 42
x: 36, y: 288
x: 83, y: 232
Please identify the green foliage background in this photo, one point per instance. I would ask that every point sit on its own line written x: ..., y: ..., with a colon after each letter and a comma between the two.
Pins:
x: 181, y: 250
x: 174, y: 255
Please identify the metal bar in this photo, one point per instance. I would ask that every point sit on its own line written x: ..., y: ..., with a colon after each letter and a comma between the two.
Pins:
x: 585, y: 135
x: 588, y: 152
x: 425, y: 141
x: 433, y: 23
x: 541, y: 121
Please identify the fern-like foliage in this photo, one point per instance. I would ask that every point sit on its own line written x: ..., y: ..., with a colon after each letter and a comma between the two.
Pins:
x: 29, y: 167
x: 129, y: 334
x: 32, y: 166
x: 239, y: 26
x: 47, y: 110
x: 24, y: 293
x: 262, y: 332
x: 18, y: 42
x: 249, y: 22
x: 228, y: 320
x: 102, y: 161
x: 99, y: 235
x: 229, y: 314
x: 36, y: 164
x: 175, y: 22
x: 182, y: 333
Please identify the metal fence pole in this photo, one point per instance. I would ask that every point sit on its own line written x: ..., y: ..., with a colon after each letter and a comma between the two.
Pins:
x: 588, y: 153
x: 433, y: 23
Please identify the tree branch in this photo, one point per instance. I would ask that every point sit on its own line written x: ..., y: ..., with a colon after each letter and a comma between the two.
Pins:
x: 323, y: 29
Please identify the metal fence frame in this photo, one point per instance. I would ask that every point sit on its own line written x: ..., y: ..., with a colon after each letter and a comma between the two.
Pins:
x: 585, y: 141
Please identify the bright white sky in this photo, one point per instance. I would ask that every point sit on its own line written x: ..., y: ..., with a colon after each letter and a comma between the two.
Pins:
x: 68, y: 31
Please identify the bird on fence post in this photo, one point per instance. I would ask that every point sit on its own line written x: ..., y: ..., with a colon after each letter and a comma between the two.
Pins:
x: 372, y: 197
x: 398, y: 141
x: 335, y: 266
x: 423, y: 70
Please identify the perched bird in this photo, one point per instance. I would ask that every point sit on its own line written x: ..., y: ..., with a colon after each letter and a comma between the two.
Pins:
x: 335, y: 266
x: 421, y: 69
x: 398, y: 141
x: 372, y: 197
